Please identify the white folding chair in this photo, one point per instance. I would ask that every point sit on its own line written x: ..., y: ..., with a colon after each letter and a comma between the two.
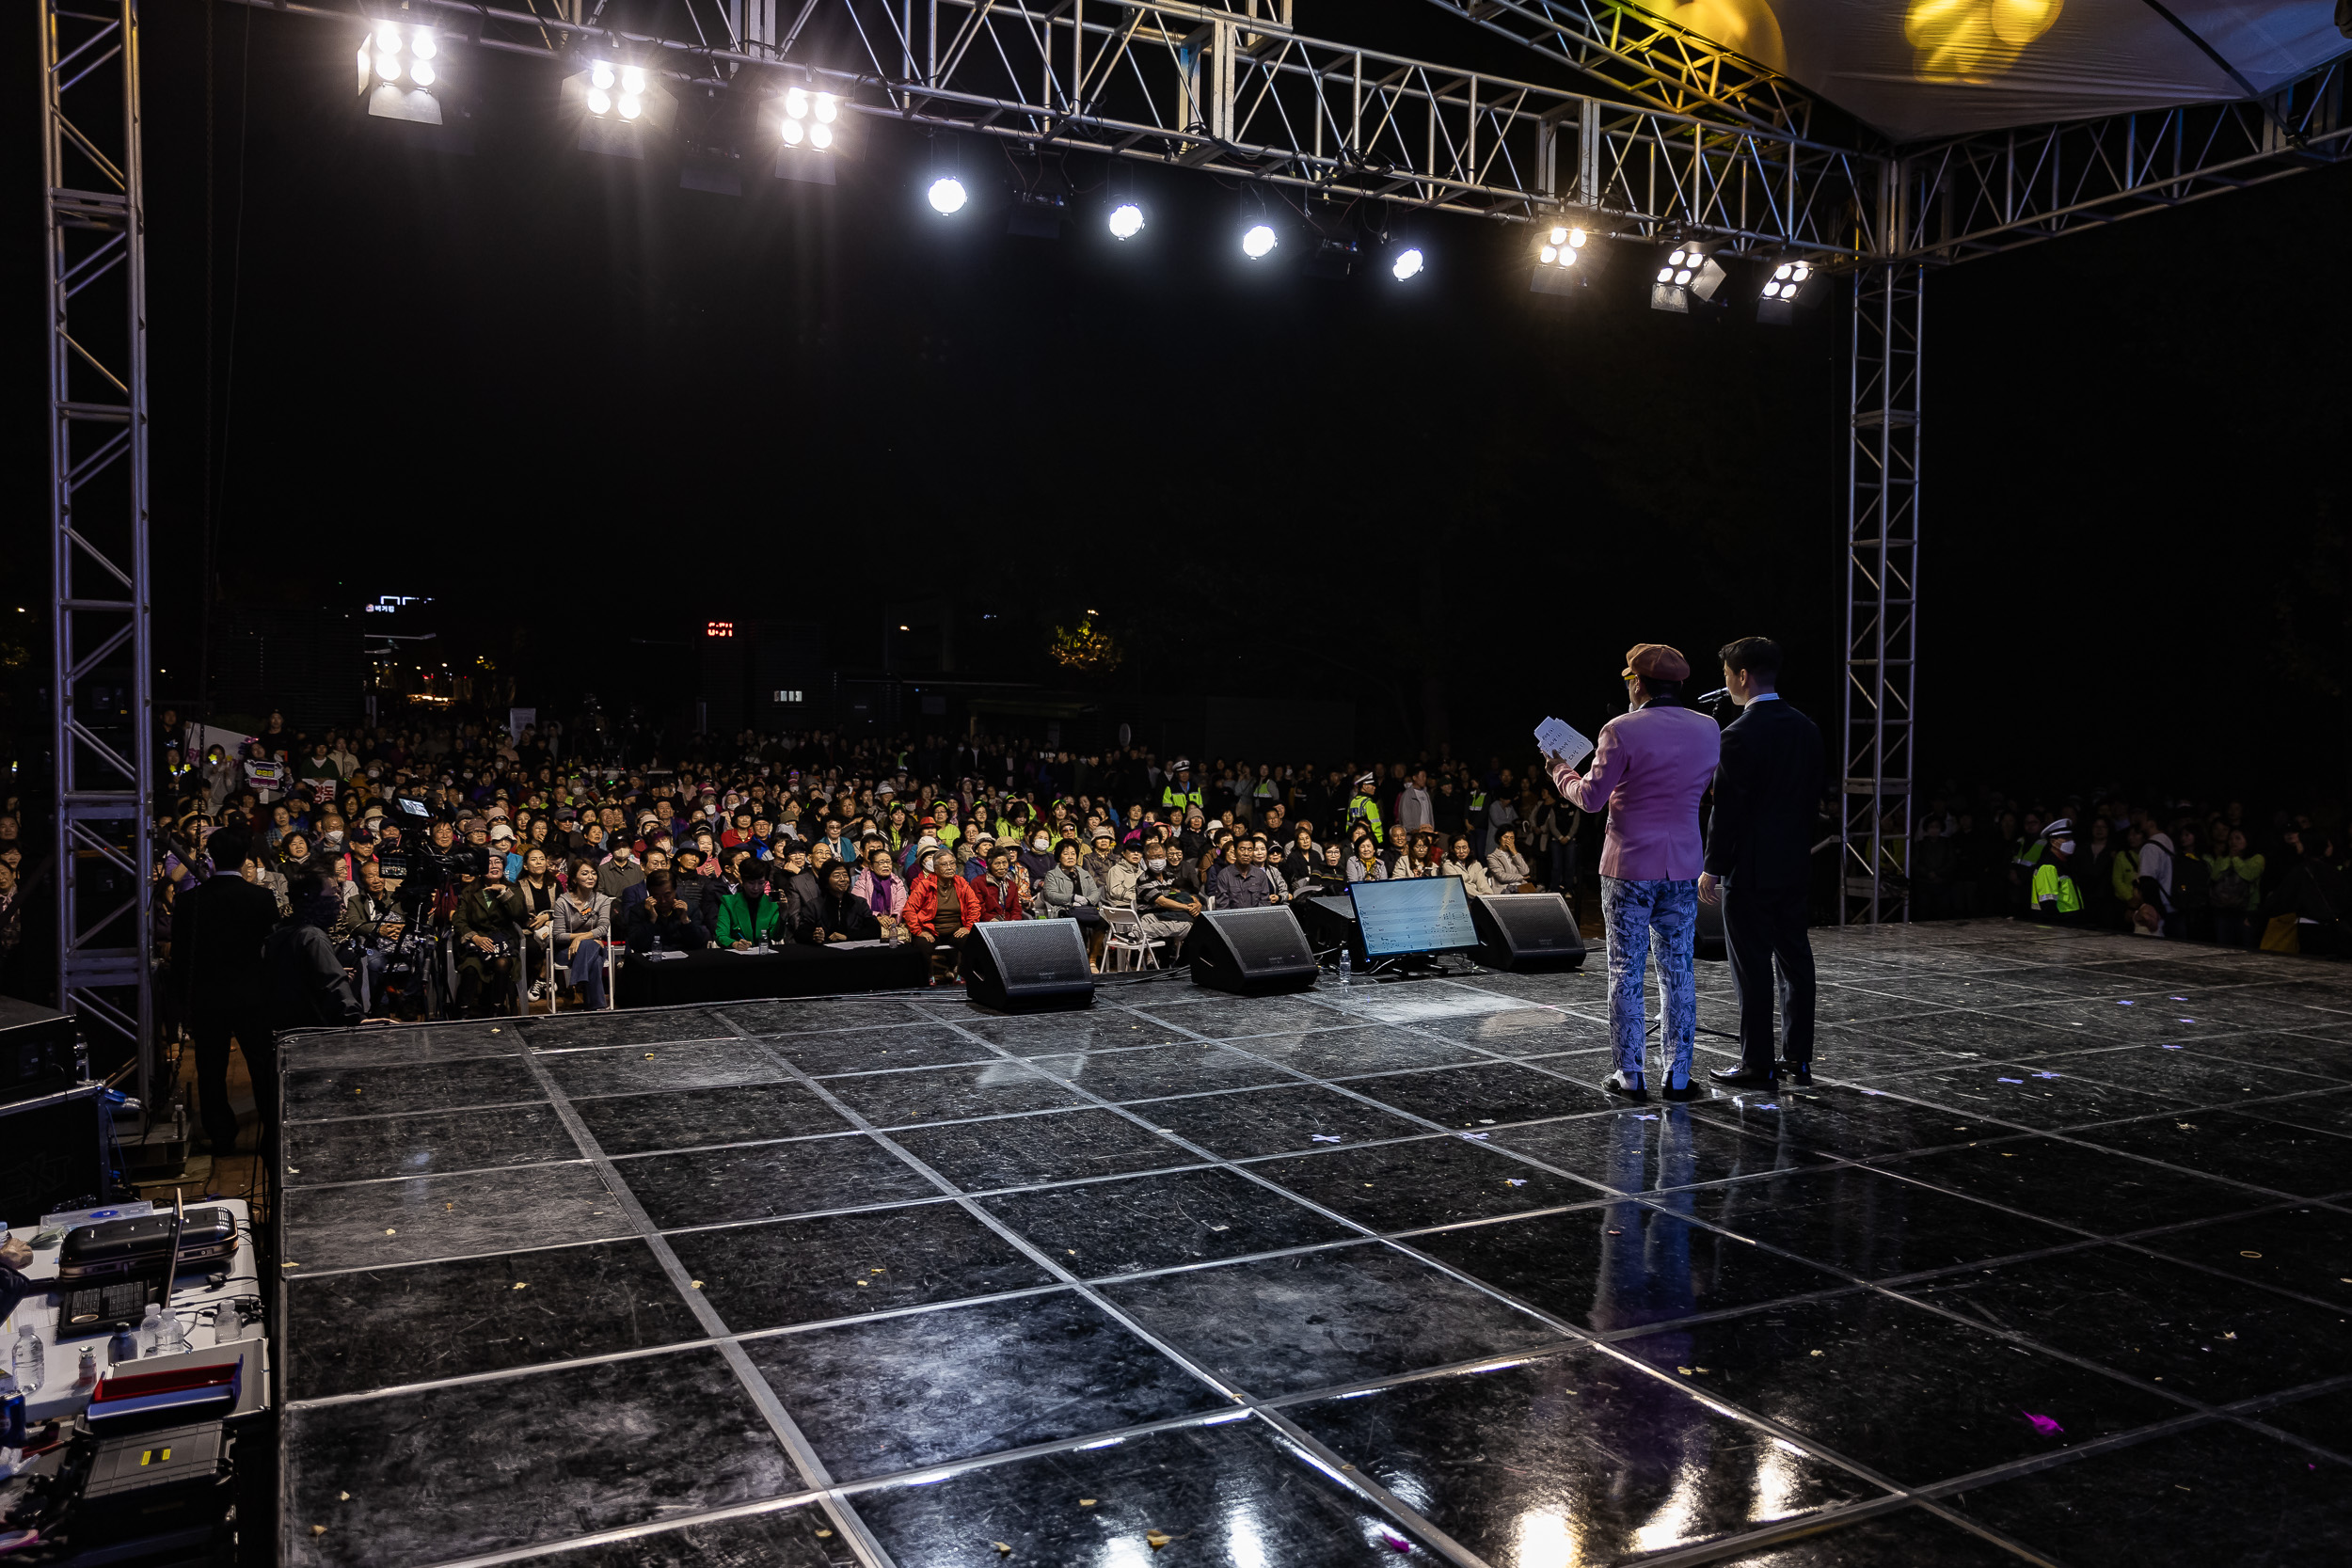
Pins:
x: 1128, y: 942
x: 563, y: 969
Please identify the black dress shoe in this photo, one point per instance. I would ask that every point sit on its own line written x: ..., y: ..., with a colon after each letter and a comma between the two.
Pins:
x: 1688, y: 1091
x: 1799, y: 1073
x: 1744, y: 1078
x: 1617, y: 1085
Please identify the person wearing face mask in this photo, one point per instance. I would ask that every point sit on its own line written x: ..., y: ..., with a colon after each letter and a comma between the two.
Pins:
x: 1036, y: 854
x: 1166, y: 909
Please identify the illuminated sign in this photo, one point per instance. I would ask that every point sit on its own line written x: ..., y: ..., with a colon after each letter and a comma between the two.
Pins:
x: 719, y: 628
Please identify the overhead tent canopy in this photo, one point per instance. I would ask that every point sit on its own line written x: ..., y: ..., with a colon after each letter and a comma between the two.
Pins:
x: 1921, y: 69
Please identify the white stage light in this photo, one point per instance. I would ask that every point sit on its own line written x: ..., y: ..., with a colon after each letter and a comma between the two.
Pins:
x: 422, y: 45
x: 632, y: 80
x: 599, y: 102
x: 600, y: 77
x: 793, y: 133
x: 632, y: 106
x: 948, y: 196
x: 821, y: 135
x: 795, y: 103
x: 1778, y: 306
x: 1259, y: 243
x: 421, y: 72
x: 1665, y: 275
x: 387, y: 39
x: 1126, y: 221
x: 1690, y: 276
x: 1408, y: 264
x: 828, y: 109
x: 388, y: 67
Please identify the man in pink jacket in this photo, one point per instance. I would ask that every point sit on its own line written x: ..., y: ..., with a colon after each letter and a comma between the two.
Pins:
x: 1651, y: 768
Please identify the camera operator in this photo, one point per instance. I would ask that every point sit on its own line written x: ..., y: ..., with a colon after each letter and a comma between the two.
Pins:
x: 489, y: 923
x: 370, y: 931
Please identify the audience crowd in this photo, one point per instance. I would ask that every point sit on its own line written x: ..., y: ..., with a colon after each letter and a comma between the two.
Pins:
x: 520, y: 850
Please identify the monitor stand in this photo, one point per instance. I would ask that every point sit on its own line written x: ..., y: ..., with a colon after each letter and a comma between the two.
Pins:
x: 1406, y: 966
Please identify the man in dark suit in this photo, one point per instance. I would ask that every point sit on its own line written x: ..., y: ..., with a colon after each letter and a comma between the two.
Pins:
x: 219, y: 930
x: 1759, y: 854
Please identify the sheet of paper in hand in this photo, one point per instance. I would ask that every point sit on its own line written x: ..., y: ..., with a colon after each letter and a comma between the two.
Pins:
x: 1555, y: 738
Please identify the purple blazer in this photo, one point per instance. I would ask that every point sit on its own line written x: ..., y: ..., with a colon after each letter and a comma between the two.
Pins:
x: 1650, y: 767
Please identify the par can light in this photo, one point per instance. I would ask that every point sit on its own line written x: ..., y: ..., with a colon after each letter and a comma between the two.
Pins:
x: 1408, y: 264
x: 1126, y: 221
x: 948, y: 196
x: 1259, y: 243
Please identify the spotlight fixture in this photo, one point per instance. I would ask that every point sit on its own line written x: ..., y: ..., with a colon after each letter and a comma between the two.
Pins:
x: 618, y: 101
x: 807, y: 119
x: 1407, y: 264
x: 1688, y: 274
x: 399, y: 64
x: 948, y: 196
x: 1126, y: 221
x: 1566, y: 259
x: 1785, y: 290
x: 1258, y: 243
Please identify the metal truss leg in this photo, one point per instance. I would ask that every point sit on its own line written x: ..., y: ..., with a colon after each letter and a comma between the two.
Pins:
x: 1881, y: 593
x: 102, y: 762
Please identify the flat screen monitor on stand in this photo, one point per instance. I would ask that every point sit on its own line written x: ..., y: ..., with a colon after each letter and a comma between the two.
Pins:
x: 1403, y: 927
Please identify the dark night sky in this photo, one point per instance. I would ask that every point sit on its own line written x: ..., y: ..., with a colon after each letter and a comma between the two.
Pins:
x: 558, y: 389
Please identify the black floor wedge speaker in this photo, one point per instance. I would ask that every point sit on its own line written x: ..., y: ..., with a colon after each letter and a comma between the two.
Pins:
x: 1524, y: 932
x: 1251, y: 952
x: 1021, y: 966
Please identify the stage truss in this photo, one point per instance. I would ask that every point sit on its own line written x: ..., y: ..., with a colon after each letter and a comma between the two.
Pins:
x: 102, y: 758
x: 1638, y: 129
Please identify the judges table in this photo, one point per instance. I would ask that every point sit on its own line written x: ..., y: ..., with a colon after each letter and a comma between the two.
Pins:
x: 724, y: 976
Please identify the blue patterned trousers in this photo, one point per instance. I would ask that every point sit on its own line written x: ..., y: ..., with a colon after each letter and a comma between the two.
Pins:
x: 1634, y: 912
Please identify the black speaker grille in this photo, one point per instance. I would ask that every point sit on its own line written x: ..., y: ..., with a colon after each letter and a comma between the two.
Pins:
x: 1535, y: 922
x: 1039, y: 953
x: 1263, y: 939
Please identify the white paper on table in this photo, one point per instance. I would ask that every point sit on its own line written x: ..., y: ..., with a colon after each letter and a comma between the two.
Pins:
x: 1555, y: 738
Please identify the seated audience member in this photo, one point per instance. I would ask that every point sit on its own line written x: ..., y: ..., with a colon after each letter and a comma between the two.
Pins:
x: 306, y: 985
x: 1166, y: 909
x: 662, y: 922
x: 1070, y: 892
x: 584, y: 930
x: 748, y: 917
x: 1460, y: 862
x: 1366, y: 866
x: 1241, y: 882
x: 1506, y: 865
x: 489, y: 927
x: 880, y: 885
x: 839, y: 914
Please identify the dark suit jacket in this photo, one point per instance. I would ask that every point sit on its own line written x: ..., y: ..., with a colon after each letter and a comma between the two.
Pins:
x: 217, y: 930
x: 1768, y: 791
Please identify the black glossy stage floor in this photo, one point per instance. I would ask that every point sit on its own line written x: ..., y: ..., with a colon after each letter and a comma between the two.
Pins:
x: 2044, y: 1269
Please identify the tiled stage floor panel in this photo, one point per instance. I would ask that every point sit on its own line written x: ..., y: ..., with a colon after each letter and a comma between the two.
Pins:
x: 1336, y: 1278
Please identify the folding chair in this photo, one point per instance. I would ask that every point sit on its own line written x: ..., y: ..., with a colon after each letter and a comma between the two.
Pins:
x: 1127, y: 942
x: 561, y: 969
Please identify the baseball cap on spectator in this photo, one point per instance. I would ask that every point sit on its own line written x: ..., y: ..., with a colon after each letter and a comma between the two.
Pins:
x: 501, y: 833
x: 1655, y: 661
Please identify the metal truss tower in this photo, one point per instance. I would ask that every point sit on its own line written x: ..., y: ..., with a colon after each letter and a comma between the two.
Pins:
x: 96, y: 288
x: 1876, y: 741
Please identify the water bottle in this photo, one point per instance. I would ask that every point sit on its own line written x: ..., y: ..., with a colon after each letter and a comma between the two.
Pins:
x: 31, y: 1361
x: 86, y: 1379
x: 161, y: 1333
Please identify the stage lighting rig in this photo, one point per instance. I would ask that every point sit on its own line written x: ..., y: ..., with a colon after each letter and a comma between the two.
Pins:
x: 1792, y: 284
x: 399, y: 64
x: 1689, y: 273
x: 809, y: 128
x: 1566, y: 259
x: 618, y: 102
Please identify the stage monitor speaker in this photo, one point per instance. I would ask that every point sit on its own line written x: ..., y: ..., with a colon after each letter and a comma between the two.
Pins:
x: 1708, y: 942
x: 1018, y: 966
x: 1251, y: 952
x: 1527, y: 931
x: 1329, y: 923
